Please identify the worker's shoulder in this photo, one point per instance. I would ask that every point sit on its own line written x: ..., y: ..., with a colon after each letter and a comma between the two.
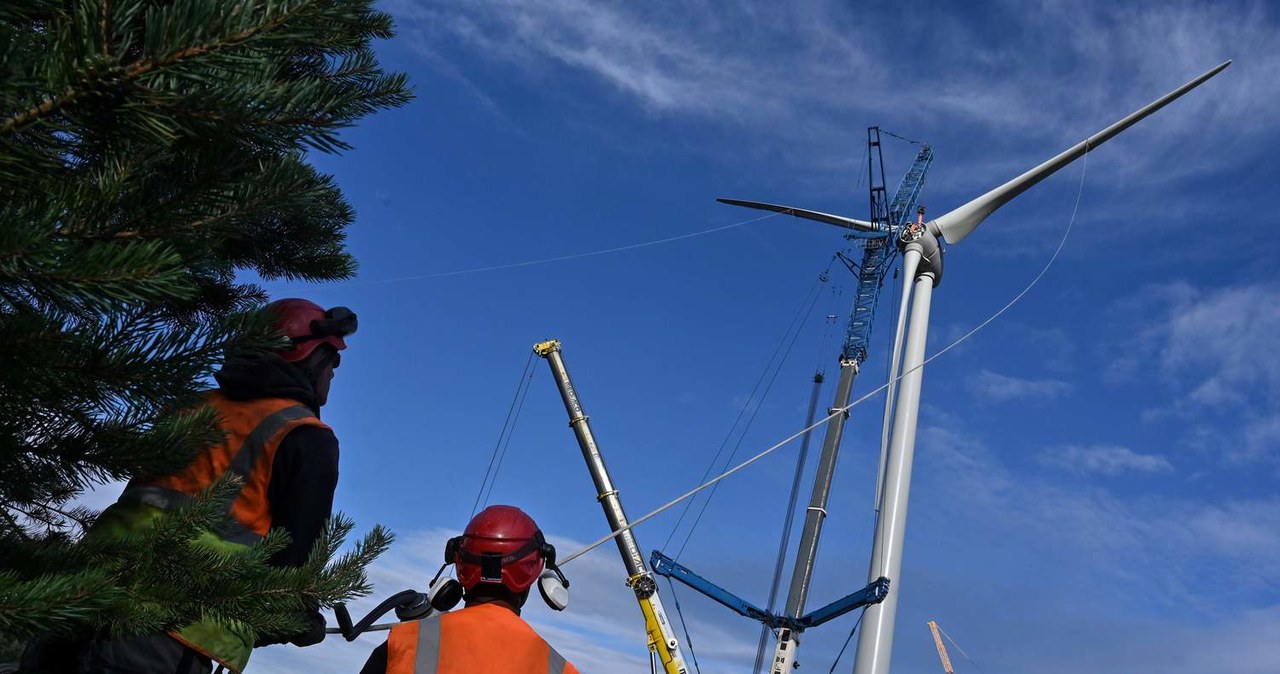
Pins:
x: 495, y: 618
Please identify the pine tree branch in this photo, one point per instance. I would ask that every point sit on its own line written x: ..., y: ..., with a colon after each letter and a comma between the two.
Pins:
x: 104, y: 28
x: 143, y: 67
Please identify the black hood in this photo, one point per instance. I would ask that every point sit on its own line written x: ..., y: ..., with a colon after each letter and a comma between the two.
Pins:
x: 265, y: 375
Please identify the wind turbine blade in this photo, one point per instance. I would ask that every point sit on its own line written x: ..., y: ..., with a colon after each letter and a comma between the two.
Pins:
x: 958, y: 224
x: 837, y: 220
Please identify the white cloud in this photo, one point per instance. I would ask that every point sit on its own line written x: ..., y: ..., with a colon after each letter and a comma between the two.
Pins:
x: 997, y: 388
x: 1159, y: 546
x: 1222, y: 344
x: 1110, y: 460
x: 800, y: 74
x: 1212, y: 351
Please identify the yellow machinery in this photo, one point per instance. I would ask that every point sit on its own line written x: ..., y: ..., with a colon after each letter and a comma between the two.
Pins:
x: 942, y: 649
x: 662, y: 637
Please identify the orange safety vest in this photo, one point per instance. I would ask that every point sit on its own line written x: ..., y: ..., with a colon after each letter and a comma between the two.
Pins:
x: 481, y: 639
x: 254, y: 430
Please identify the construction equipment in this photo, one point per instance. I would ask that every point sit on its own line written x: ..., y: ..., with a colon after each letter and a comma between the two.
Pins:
x: 662, y: 639
x: 876, y: 235
x: 942, y: 649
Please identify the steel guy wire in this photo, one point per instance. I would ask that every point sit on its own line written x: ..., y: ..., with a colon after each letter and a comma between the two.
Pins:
x: 842, y: 410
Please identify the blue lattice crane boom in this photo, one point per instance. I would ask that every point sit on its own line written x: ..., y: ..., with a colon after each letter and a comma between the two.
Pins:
x: 877, y: 235
x: 878, y: 252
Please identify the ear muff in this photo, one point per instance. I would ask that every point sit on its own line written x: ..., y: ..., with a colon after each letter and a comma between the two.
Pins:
x: 444, y: 593
x: 554, y: 589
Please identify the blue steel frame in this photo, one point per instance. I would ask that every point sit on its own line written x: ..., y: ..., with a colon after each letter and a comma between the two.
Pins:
x: 871, y: 594
x: 878, y: 251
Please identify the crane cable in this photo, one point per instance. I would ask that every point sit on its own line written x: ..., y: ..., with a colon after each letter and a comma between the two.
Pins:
x: 841, y: 410
x: 953, y: 643
x: 508, y: 426
x: 847, y: 640
x: 792, y: 331
x: 793, y: 499
x: 688, y: 640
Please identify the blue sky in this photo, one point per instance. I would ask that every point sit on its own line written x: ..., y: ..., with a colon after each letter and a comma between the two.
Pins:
x: 1094, y: 485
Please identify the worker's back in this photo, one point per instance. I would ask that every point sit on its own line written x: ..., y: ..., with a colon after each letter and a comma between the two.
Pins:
x: 480, y: 639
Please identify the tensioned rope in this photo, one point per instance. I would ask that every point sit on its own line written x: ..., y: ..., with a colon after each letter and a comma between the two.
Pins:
x: 517, y: 403
x: 847, y: 639
x: 528, y: 382
x: 953, y: 643
x: 788, y: 520
x: 774, y: 364
x: 688, y: 640
x: 842, y: 410
x: 560, y: 258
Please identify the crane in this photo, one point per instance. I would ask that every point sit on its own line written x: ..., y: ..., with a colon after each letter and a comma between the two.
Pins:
x: 942, y: 649
x: 888, y: 220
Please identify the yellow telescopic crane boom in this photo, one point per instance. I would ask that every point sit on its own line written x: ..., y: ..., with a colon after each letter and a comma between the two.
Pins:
x: 662, y: 637
x: 942, y: 650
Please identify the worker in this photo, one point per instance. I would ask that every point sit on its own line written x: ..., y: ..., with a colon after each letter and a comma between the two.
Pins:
x: 499, y: 557
x: 269, y: 405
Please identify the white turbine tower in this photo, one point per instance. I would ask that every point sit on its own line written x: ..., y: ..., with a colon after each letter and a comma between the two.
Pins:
x: 922, y: 267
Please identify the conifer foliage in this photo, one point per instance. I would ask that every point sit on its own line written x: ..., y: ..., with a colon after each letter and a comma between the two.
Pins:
x: 149, y: 150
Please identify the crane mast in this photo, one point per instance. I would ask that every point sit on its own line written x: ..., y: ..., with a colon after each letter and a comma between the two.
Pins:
x: 942, y: 649
x: 662, y: 639
x: 888, y: 219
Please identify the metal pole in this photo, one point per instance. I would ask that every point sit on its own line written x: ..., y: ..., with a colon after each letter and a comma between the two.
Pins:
x: 784, y: 655
x: 818, y: 378
x: 875, y: 644
x: 910, y: 262
x: 662, y: 640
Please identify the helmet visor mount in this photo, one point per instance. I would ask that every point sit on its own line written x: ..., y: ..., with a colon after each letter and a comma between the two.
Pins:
x: 337, y: 322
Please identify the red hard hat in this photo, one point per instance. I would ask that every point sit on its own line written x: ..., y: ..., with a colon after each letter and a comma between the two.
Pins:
x: 309, y: 325
x: 500, y: 545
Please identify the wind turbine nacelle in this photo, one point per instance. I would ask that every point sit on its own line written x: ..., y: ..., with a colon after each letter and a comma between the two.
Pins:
x: 924, y: 238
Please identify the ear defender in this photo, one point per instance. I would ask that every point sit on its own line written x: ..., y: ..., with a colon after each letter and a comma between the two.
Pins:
x: 444, y: 593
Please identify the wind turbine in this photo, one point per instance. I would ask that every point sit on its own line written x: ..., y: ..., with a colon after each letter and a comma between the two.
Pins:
x: 922, y: 270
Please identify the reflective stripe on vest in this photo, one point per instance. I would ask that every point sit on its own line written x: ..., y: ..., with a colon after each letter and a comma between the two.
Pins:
x: 241, y: 466
x: 426, y: 657
x: 258, y: 426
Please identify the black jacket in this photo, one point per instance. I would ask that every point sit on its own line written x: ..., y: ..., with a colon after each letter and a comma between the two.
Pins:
x: 304, y: 473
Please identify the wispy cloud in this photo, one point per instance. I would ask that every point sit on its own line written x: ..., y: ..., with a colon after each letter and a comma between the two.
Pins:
x: 802, y: 75
x: 993, y: 387
x: 1110, y: 460
x: 1158, y: 545
x: 1212, y: 352
x: 1222, y: 343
